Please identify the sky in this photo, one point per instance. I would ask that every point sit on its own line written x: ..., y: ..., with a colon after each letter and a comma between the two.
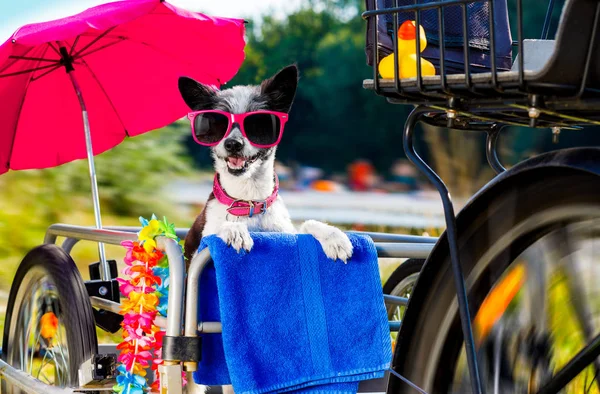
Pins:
x: 15, y: 13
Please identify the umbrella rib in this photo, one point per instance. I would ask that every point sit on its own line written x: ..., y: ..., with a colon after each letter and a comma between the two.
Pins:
x: 12, y: 143
x: 105, y: 95
x: 54, y: 49
x: 129, y: 39
x: 74, y: 45
x: 94, y: 41
x: 34, y: 58
x: 27, y: 71
x: 46, y: 73
x: 166, y: 53
x: 81, y: 55
x: 15, y: 61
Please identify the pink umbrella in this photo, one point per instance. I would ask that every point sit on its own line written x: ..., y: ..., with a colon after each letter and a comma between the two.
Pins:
x: 124, y: 58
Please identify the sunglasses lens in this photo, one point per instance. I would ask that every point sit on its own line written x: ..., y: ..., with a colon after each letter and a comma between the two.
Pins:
x: 210, y: 127
x: 262, y: 129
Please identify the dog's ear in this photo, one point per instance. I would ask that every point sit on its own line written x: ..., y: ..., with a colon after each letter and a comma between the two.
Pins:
x: 280, y: 89
x: 196, y: 95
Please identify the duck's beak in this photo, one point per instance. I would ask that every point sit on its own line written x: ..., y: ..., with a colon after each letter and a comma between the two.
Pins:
x: 407, y: 31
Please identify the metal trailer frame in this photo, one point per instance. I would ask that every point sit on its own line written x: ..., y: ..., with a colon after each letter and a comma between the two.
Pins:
x: 387, y: 245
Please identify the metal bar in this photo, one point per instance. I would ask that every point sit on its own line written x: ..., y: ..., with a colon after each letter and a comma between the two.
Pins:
x: 210, y: 327
x: 560, y: 115
x: 451, y: 233
x: 493, y: 45
x: 547, y: 19
x: 397, y: 84
x: 401, y: 238
x: 491, y: 149
x: 465, y: 31
x: 28, y: 383
x: 480, y: 117
x: 105, y: 269
x: 393, y: 300
x: 180, y: 231
x: 573, y: 368
x: 68, y: 244
x: 588, y: 58
x: 420, y: 7
x: 115, y: 307
x: 388, y: 245
x: 176, y: 283
x: 443, y: 80
x: 520, y: 43
x: 192, y: 299
x: 87, y: 234
x: 394, y: 325
x: 419, y: 71
x: 376, y: 54
x: 404, y: 250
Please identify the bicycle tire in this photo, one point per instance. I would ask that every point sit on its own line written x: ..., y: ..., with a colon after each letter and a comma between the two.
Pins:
x: 428, y: 347
x: 75, y: 310
x: 404, y: 270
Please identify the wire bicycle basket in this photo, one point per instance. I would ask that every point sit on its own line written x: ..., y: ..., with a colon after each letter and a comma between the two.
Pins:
x: 555, y: 86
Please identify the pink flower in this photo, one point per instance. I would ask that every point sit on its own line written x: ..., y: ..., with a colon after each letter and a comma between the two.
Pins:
x: 144, y: 319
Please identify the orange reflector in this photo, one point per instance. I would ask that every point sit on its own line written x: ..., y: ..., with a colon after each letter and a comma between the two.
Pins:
x: 495, y: 304
x: 49, y: 325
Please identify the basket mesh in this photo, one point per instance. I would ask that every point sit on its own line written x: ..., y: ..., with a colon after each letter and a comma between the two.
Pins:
x: 478, y: 16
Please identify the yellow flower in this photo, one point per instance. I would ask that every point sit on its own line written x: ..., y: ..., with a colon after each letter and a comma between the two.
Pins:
x: 148, y: 302
x: 139, y: 370
x: 148, y: 233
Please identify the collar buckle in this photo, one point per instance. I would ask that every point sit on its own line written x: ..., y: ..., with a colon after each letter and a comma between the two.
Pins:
x: 250, y: 206
x: 263, y: 209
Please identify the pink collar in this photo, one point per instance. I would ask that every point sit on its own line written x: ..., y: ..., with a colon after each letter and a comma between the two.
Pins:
x: 238, y: 207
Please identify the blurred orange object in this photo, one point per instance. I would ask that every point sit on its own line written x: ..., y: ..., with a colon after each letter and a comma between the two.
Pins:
x: 495, y: 304
x: 49, y: 325
x: 361, y: 174
x: 323, y: 185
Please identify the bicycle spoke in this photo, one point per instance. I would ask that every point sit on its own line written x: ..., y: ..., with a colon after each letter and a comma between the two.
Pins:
x: 573, y: 368
x: 594, y: 379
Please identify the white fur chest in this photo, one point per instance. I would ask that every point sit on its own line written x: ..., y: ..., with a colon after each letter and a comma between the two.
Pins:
x: 276, y: 219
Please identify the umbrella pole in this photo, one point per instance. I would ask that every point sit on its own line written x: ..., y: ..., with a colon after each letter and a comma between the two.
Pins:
x: 105, y: 269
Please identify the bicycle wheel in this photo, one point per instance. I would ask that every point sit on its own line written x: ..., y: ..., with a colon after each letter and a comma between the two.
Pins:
x: 400, y: 284
x: 49, y: 329
x: 528, y: 259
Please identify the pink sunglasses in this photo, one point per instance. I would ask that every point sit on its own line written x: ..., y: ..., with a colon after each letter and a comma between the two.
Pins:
x: 263, y: 129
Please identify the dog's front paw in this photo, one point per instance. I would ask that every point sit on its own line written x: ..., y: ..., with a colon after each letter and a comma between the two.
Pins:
x: 236, y: 235
x: 334, y: 242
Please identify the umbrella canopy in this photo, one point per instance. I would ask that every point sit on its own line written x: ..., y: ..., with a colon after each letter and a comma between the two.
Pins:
x: 126, y: 58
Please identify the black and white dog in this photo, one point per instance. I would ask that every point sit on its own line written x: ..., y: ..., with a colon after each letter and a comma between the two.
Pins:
x: 243, y: 125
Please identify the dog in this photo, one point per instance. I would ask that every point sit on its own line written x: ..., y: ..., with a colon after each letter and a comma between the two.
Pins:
x: 245, y: 189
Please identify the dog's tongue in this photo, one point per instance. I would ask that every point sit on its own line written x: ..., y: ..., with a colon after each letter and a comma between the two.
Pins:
x: 237, y: 161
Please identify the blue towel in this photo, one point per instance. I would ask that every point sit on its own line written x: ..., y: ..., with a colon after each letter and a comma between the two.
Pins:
x: 293, y: 320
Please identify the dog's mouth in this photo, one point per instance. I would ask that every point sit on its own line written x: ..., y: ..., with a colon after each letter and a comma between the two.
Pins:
x: 238, y: 164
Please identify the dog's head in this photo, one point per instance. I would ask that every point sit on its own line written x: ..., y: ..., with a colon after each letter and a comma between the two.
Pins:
x: 234, y: 154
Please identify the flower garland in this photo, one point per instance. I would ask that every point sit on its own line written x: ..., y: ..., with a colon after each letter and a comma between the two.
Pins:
x: 146, y: 294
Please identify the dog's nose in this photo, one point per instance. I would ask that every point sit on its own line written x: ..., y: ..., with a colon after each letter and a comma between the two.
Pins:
x: 233, y: 146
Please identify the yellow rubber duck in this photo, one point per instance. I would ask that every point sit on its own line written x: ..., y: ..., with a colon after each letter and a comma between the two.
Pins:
x: 407, y: 53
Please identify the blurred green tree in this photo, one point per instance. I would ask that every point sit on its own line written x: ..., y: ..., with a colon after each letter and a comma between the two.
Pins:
x: 334, y: 121
x: 131, y: 177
